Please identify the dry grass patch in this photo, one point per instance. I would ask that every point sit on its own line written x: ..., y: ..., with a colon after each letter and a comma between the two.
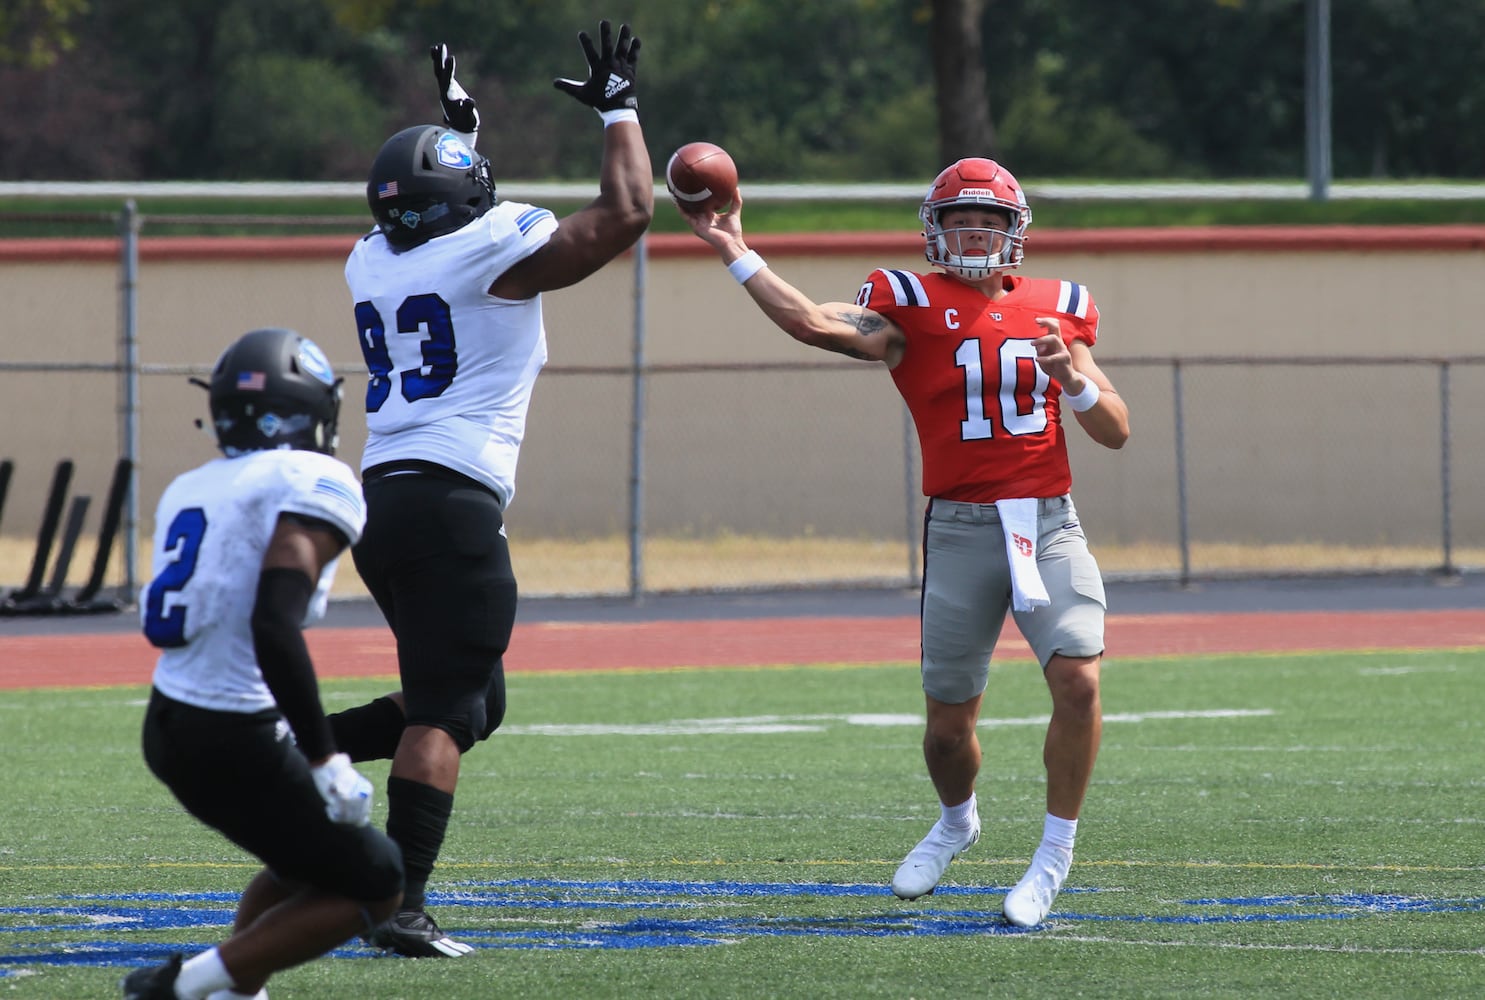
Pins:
x: 562, y: 567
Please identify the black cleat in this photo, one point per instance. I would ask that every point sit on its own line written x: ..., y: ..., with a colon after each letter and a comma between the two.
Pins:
x: 415, y: 934
x: 154, y: 983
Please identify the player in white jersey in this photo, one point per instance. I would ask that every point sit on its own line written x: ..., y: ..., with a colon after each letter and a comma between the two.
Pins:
x: 458, y: 404
x: 447, y: 292
x: 245, y: 551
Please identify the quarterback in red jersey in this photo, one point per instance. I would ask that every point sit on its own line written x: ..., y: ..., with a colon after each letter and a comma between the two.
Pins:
x: 988, y: 363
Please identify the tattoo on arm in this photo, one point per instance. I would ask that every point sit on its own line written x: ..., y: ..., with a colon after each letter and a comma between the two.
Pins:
x: 865, y: 324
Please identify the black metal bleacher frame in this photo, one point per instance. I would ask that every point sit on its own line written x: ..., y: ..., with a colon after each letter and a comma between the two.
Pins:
x: 36, y: 598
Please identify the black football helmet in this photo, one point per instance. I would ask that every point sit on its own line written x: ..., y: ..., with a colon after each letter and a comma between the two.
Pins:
x: 273, y: 388
x: 426, y: 182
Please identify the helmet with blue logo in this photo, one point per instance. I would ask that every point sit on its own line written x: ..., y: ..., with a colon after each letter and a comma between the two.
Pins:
x: 426, y: 182
x: 274, y: 388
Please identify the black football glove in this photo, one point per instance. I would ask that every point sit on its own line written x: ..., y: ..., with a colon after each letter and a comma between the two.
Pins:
x: 610, y: 83
x: 459, y: 112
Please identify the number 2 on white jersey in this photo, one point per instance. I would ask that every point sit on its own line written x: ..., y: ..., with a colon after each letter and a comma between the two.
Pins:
x: 1020, y: 389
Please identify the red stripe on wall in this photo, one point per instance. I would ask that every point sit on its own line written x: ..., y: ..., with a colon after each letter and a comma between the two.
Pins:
x: 1187, y: 239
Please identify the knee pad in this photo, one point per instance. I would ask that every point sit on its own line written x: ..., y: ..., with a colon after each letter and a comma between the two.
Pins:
x: 494, y: 703
x: 471, y: 718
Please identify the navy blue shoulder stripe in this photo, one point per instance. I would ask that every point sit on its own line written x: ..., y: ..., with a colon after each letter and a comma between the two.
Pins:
x: 1072, y: 298
x: 907, y: 288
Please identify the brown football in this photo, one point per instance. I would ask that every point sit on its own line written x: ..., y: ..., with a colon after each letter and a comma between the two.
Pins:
x: 701, y: 175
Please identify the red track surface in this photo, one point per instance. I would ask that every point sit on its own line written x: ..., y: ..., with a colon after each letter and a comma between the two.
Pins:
x: 125, y: 658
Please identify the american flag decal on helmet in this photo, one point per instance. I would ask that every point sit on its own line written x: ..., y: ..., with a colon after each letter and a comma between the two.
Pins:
x: 387, y: 190
x: 251, y: 381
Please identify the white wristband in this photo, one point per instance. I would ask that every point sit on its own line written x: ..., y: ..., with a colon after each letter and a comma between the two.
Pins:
x: 619, y: 115
x: 1085, y: 399
x: 746, y: 266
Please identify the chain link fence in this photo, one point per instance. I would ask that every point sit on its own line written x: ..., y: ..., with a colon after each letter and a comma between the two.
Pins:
x: 645, y: 472
x: 1227, y: 474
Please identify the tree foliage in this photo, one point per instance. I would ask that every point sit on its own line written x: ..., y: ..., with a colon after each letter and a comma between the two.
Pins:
x: 35, y: 33
x: 834, y: 89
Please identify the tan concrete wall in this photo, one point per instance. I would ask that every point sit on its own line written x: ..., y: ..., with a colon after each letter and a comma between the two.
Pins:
x: 1285, y: 451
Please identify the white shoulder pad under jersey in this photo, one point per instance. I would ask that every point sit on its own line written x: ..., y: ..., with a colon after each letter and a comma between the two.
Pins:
x: 451, y: 366
x: 212, y: 527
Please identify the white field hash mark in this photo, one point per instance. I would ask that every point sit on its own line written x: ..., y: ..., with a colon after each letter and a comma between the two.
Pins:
x: 767, y: 724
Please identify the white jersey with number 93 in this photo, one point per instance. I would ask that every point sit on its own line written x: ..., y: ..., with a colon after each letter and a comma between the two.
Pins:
x: 451, y: 367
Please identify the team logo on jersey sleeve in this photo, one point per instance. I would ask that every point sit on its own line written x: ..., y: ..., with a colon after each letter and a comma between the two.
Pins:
x: 452, y: 152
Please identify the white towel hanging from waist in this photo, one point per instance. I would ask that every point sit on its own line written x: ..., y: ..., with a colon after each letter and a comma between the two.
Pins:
x: 1018, y: 519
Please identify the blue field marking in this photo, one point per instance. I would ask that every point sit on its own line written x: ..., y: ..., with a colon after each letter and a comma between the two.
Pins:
x: 1385, y: 903
x: 100, y: 917
x: 115, y: 929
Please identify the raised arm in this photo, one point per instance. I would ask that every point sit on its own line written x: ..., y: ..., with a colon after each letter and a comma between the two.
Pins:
x: 843, y: 327
x: 459, y: 111
x: 601, y: 230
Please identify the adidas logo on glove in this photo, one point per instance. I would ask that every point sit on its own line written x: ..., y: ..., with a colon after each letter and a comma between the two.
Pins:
x: 615, y: 84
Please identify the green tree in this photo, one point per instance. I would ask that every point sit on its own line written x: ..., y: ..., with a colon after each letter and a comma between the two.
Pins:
x: 1408, y: 92
x: 830, y: 89
x: 962, y: 96
x: 34, y: 33
x: 280, y: 116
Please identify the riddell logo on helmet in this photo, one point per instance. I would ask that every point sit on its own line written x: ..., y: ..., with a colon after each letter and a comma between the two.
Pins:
x: 977, y: 193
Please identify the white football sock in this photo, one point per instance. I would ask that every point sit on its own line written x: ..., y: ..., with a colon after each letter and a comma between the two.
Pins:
x: 202, y: 975
x: 1059, y: 832
x: 959, y: 816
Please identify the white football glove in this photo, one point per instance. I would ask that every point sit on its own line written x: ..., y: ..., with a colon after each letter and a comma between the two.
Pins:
x: 346, y: 793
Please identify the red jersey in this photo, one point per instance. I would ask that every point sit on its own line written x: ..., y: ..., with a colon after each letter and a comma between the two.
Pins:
x: 988, y: 418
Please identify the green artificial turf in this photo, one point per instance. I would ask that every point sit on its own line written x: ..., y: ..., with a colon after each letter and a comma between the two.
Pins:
x: 1257, y: 826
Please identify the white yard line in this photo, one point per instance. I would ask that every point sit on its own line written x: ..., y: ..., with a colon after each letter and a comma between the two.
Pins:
x: 768, y: 724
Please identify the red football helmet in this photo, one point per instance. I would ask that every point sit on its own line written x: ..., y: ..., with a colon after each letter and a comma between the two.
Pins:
x: 974, y: 181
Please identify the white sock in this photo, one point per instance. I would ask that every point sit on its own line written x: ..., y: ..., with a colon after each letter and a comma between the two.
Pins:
x: 1059, y: 832
x: 959, y: 816
x: 234, y: 995
x: 202, y: 975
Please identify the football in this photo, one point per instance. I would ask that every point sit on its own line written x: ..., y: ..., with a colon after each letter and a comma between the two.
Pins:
x: 701, y: 175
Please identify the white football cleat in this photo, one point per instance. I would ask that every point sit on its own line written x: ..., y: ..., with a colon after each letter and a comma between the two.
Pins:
x: 1031, y: 900
x: 920, y: 871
